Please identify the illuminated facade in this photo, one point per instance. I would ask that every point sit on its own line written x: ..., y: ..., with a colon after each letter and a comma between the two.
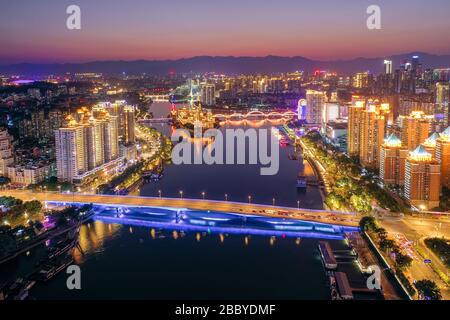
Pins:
x: 354, y: 127
x: 208, y: 94
x: 372, y: 137
x: 443, y: 156
x: 128, y: 127
x: 430, y: 144
x: 86, y: 145
x: 422, y: 179
x: 315, y: 101
x: 415, y: 129
x: 6, y: 152
x: 442, y: 100
x: 392, y: 161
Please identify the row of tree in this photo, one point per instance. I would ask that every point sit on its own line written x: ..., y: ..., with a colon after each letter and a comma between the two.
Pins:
x: 426, y: 289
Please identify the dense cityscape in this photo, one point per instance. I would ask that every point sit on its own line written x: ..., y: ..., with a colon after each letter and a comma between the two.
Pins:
x: 224, y: 177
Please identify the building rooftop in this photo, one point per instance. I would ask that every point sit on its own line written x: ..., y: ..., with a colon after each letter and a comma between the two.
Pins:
x: 392, y: 141
x: 420, y: 154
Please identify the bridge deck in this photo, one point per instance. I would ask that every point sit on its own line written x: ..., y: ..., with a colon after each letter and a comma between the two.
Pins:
x: 329, y: 217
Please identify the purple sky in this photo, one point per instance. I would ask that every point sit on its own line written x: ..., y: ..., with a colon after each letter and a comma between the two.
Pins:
x: 35, y: 31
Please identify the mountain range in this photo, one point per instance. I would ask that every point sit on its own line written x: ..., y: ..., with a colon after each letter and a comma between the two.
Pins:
x: 225, y: 64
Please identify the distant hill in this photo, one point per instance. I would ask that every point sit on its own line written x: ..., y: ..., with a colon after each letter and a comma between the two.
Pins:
x: 227, y: 65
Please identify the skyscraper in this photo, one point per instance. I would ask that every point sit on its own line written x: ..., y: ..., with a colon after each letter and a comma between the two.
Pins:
x: 388, y: 66
x: 128, y: 134
x: 372, y: 136
x: 443, y: 156
x: 430, y: 144
x: 442, y: 100
x: 71, y: 158
x: 392, y: 161
x: 315, y: 101
x: 208, y: 94
x: 422, y: 179
x: 6, y: 152
x: 354, y: 127
x: 85, y: 146
x: 415, y: 129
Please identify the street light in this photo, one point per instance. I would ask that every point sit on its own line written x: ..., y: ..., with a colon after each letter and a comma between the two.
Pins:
x: 298, y: 204
x: 226, y: 197
x: 273, y: 201
x: 159, y: 192
x: 249, y: 199
x: 181, y: 194
x: 203, y: 195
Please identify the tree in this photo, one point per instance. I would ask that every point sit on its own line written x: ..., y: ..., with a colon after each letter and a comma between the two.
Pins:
x: 386, y: 244
x: 382, y: 233
x: 428, y: 290
x: 368, y: 223
x: 33, y: 207
x: 403, y: 261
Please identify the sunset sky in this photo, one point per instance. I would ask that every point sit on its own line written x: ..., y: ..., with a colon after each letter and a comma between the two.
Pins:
x: 35, y: 31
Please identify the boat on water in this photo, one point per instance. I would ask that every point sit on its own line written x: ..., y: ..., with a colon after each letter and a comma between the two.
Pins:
x: 62, y: 248
x: 52, y: 268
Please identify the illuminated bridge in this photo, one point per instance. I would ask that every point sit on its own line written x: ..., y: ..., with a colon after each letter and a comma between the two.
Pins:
x: 256, y: 115
x: 323, y: 216
x: 159, y: 97
x: 154, y: 120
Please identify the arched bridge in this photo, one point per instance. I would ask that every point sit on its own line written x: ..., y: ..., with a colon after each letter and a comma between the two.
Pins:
x: 256, y: 114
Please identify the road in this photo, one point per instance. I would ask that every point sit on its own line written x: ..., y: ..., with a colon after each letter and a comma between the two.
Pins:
x: 416, y: 229
x: 195, y: 204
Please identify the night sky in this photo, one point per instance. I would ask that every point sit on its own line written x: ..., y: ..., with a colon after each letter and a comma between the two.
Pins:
x: 35, y: 31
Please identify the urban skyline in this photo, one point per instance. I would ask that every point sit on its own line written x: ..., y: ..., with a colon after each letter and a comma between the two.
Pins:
x: 231, y: 174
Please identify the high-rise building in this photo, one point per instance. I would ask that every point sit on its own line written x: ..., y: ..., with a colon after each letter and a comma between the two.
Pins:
x: 6, y: 152
x: 354, y: 127
x: 392, y: 161
x: 415, y: 129
x: 442, y: 100
x: 430, y: 143
x: 388, y: 66
x: 315, y: 101
x: 85, y: 146
x: 371, y: 136
x: 361, y: 80
x: 208, y: 94
x: 443, y: 156
x: 129, y: 125
x: 71, y: 158
x: 94, y: 135
x: 422, y: 179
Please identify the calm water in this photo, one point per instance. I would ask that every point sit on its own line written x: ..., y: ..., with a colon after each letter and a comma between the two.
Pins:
x: 131, y: 262
x: 128, y: 260
x: 237, y: 181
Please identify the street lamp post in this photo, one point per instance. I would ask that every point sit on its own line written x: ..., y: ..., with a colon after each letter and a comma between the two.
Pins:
x: 226, y: 197
x: 298, y: 204
x: 273, y: 201
x: 249, y: 199
x: 203, y: 195
x: 181, y: 194
x: 159, y: 193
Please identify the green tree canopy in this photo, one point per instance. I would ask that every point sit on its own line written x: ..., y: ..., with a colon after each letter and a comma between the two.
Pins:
x: 428, y: 290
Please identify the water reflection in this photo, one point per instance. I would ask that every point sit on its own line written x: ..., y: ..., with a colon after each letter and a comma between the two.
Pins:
x: 92, y: 238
